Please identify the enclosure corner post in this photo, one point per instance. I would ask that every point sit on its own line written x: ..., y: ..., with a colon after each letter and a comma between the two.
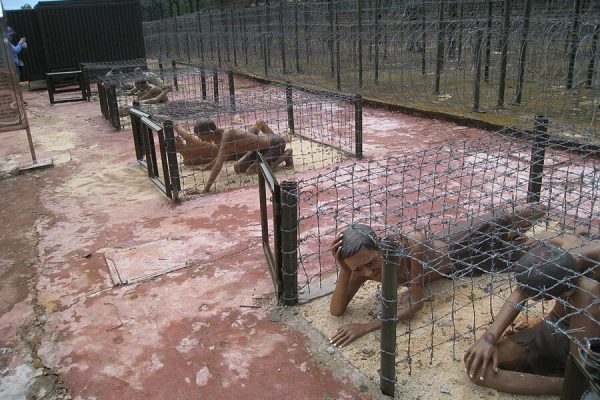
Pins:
x: 113, y: 107
x: 231, y: 82
x: 574, y: 44
x: 536, y: 165
x: 216, y: 86
x: 289, y: 242
x: 358, y: 128
x: 504, y: 53
x: 290, y: 107
x: 137, y: 134
x: 389, y: 299
x: 175, y: 83
x: 172, y: 160
x: 203, y: 83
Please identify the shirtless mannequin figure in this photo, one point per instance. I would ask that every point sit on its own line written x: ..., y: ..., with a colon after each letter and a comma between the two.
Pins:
x: 193, y: 150
x: 150, y: 94
x: 356, y: 251
x: 231, y: 141
x: 522, y: 363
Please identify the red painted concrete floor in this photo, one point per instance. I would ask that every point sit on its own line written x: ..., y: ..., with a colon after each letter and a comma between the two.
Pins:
x: 207, y: 331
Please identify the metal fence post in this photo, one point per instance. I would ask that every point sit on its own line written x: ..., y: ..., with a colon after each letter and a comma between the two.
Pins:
x: 233, y: 36
x: 523, y: 55
x: 536, y: 164
x: 359, y: 7
x: 477, y: 78
x: 231, y: 82
x: 389, y: 299
x: 296, y: 38
x: 290, y: 107
x: 358, y: 128
x: 289, y: 242
x: 574, y: 44
x: 282, y: 39
x: 175, y: 82
x: 488, y: 42
x: 172, y: 160
x: 591, y: 65
x: 377, y: 39
x: 439, y: 64
x: 203, y: 83
x: 216, y: 86
x: 113, y: 107
x: 504, y: 53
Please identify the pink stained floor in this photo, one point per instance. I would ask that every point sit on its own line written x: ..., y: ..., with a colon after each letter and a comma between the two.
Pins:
x: 204, y: 331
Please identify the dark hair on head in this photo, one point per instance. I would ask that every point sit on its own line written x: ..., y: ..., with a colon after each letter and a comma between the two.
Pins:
x: 141, y: 82
x: 546, y: 271
x: 357, y: 236
x: 204, y: 126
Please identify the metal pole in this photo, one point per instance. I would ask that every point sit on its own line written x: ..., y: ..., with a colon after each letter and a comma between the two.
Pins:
x: 289, y: 242
x: 389, y: 300
x: 231, y: 90
x: 296, y: 39
x: 477, y: 78
x: 30, y: 141
x: 439, y: 64
x: 504, y: 53
x: 358, y: 128
x: 424, y: 39
x: 574, y: 44
x: 290, y: 107
x: 488, y: 42
x: 377, y: 39
x: 203, y: 83
x: 331, y: 41
x: 592, y: 64
x: 282, y: 38
x: 172, y: 160
x: 536, y: 164
x: 359, y: 6
x: 175, y: 82
x: 526, y: 21
x: 233, y: 37
x: 216, y: 86
x: 337, y: 48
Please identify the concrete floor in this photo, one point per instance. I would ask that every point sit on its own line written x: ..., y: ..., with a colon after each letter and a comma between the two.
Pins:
x: 210, y: 330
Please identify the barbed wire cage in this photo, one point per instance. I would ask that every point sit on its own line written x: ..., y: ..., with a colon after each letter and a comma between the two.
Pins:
x: 321, y: 129
x: 184, y: 82
x: 94, y: 70
x: 507, y: 58
x: 442, y: 195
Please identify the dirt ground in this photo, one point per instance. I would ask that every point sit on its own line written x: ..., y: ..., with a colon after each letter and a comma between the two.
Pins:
x: 207, y: 326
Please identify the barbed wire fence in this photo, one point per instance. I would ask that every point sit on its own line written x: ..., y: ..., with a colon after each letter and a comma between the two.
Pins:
x: 508, y: 59
x: 468, y: 204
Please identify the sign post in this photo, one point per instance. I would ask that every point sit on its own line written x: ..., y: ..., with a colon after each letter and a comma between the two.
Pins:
x: 13, y: 116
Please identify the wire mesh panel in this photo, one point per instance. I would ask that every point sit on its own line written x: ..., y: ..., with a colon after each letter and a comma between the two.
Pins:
x: 180, y: 82
x: 94, y: 70
x: 296, y: 129
x: 463, y: 57
x: 464, y: 216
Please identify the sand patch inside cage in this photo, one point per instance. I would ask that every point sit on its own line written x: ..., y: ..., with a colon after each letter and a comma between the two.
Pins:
x: 443, y: 375
x: 308, y: 155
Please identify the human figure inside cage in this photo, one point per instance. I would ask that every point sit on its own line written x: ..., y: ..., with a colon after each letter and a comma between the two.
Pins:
x: 193, y: 150
x: 483, y: 244
x: 151, y: 94
x: 532, y: 361
x: 231, y: 141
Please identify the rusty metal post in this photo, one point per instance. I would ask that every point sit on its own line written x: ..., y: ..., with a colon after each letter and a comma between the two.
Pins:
x: 231, y: 82
x: 289, y: 242
x: 389, y: 300
x: 203, y: 83
x: 574, y: 43
x: 358, y: 128
x: 523, y: 55
x: 172, y: 160
x: 536, y: 164
x: 504, y: 53
x: 216, y: 86
x: 175, y: 82
x: 290, y: 107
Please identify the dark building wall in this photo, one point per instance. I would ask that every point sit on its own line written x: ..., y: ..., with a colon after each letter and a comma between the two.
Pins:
x: 71, y: 32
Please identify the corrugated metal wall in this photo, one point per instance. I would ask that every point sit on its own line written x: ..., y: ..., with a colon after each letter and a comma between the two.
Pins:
x: 63, y: 34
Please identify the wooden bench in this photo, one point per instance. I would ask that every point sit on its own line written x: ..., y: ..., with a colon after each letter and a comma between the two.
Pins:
x: 65, y: 82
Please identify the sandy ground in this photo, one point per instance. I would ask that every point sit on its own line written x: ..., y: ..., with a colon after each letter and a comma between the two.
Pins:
x: 430, y: 375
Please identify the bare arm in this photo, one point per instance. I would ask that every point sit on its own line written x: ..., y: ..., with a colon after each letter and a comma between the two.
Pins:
x: 216, y: 167
x: 347, y: 284
x: 185, y: 134
x: 485, y: 351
